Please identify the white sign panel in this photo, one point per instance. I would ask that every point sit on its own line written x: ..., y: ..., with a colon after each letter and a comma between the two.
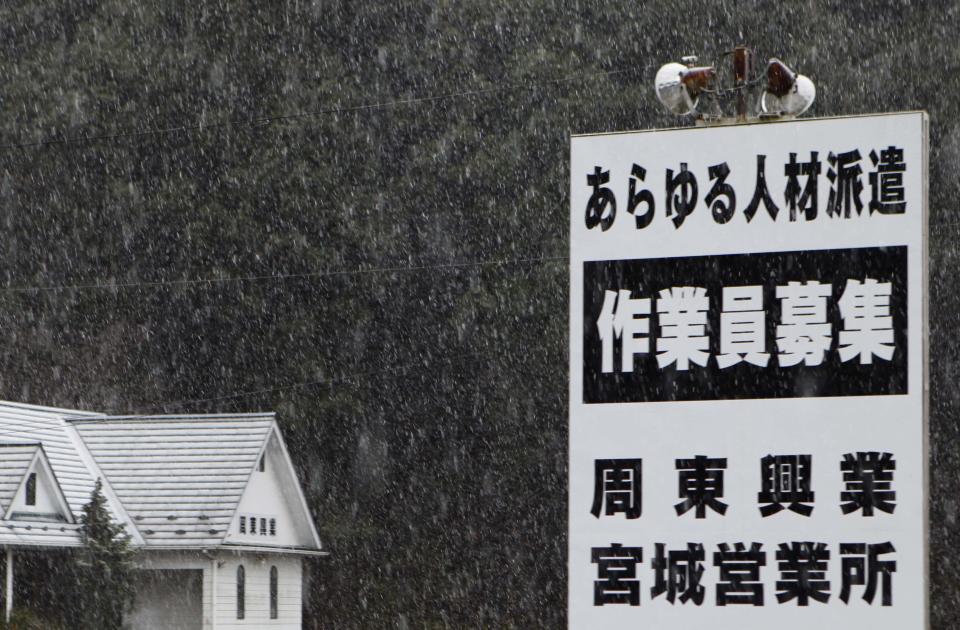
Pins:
x: 748, y: 375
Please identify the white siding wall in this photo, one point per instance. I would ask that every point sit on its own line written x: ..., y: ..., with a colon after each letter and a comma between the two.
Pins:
x: 289, y: 600
x: 257, y: 566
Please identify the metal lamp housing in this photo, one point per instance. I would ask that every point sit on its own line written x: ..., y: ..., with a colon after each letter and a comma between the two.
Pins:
x: 671, y: 91
x: 796, y: 99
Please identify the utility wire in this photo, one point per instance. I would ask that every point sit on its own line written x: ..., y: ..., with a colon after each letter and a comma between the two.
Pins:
x: 159, y: 407
x: 256, y: 121
x: 466, y: 358
x: 67, y: 142
x: 452, y: 265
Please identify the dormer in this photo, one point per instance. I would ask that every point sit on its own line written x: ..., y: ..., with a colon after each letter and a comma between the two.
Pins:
x: 29, y: 490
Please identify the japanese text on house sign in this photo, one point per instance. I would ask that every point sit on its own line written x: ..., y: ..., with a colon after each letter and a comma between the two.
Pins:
x: 747, y: 376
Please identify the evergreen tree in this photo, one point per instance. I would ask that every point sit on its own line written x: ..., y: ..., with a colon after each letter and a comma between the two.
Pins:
x: 104, y: 568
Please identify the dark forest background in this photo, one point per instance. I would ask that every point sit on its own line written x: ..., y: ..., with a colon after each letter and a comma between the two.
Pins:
x: 415, y: 350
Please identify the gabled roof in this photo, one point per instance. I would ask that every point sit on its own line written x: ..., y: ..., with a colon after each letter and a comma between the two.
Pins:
x: 32, y: 424
x: 175, y: 481
x: 38, y: 463
x: 15, y: 459
x: 180, y: 478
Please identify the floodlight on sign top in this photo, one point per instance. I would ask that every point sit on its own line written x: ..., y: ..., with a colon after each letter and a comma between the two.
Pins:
x: 680, y: 86
x: 787, y: 92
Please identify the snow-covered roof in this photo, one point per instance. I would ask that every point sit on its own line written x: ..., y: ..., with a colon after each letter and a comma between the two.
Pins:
x: 180, y: 478
x: 176, y: 481
x: 39, y: 534
x: 32, y: 424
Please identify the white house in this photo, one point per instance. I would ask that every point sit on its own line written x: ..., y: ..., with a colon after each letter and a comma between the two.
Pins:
x: 212, y: 501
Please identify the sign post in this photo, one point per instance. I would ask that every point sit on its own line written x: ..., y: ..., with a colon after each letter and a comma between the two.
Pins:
x: 748, y: 376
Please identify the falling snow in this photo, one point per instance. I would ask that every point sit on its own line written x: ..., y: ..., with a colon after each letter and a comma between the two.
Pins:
x: 355, y: 214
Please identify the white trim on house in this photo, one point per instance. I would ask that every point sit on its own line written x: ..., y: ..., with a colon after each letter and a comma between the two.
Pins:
x: 239, y: 548
x: 299, y: 488
x: 113, y: 502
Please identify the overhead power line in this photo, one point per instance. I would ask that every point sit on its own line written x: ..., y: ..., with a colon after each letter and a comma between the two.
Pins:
x: 257, y: 121
x: 451, y: 265
x: 342, y: 378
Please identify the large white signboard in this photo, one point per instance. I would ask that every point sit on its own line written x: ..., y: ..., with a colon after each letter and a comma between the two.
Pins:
x: 748, y: 375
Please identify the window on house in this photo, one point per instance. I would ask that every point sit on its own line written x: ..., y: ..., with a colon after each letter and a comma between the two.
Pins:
x: 263, y: 527
x: 273, y: 592
x: 253, y: 525
x: 263, y: 463
x: 241, y: 591
x: 273, y: 527
x: 31, y: 498
x: 243, y: 524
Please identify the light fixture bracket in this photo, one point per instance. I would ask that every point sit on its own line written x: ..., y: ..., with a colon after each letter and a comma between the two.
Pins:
x: 717, y: 97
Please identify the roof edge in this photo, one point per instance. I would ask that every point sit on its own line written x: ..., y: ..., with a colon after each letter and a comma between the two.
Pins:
x: 15, y: 524
x: 36, y: 544
x: 93, y: 468
x: 58, y: 410
x: 201, y: 416
x: 296, y: 482
x: 300, y: 551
